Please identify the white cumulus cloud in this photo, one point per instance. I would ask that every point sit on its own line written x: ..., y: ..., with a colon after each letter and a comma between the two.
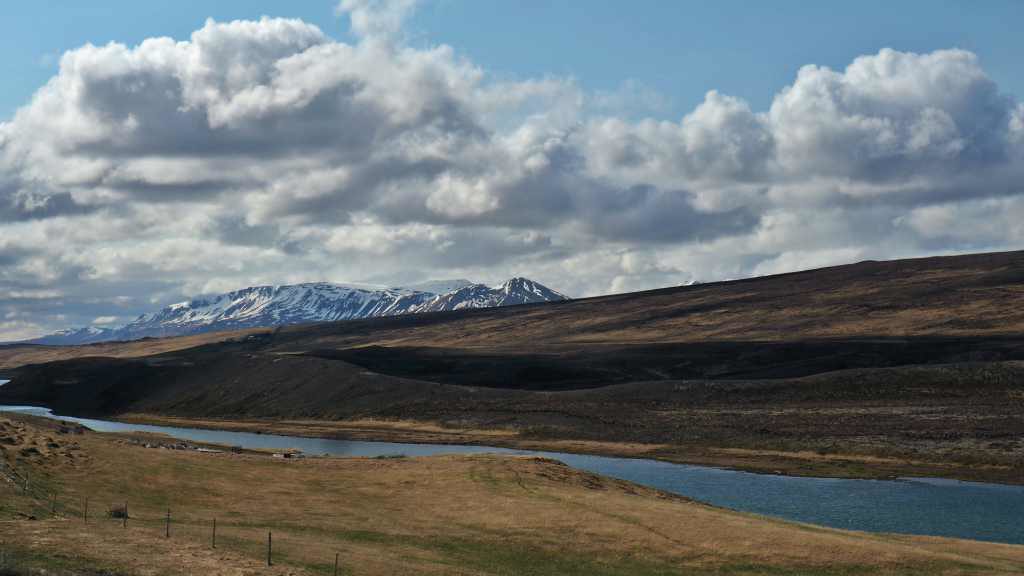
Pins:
x: 269, y: 152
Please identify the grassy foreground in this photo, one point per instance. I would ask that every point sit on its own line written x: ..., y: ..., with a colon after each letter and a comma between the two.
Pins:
x: 439, y: 515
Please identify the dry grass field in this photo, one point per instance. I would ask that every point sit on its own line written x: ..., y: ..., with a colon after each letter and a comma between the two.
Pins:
x: 440, y: 515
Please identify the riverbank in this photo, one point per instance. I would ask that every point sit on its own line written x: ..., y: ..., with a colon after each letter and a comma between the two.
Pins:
x: 758, y: 460
x: 962, y: 421
x: 465, y: 514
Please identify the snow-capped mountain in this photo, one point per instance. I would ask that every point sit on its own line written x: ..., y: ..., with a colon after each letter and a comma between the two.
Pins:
x: 314, y: 302
x: 272, y: 306
x: 86, y: 335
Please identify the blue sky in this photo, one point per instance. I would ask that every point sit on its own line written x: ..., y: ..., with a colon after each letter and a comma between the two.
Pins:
x: 749, y: 49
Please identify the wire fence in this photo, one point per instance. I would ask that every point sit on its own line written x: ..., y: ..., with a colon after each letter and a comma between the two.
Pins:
x: 251, y: 540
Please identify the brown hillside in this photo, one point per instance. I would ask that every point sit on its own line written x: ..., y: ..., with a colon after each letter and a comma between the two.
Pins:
x: 979, y: 294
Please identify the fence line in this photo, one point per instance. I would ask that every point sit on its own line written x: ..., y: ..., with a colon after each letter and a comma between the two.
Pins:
x: 65, y: 508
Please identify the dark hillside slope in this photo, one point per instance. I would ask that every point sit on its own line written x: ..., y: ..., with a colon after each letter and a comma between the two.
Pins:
x: 212, y: 383
x: 962, y: 420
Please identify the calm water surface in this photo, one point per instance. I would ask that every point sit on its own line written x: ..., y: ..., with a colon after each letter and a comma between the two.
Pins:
x: 914, y: 506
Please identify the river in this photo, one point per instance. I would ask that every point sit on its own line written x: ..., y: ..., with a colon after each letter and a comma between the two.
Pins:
x: 929, y: 506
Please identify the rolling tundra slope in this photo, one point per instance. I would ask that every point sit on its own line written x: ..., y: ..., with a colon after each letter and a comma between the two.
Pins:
x: 954, y: 296
x: 874, y: 368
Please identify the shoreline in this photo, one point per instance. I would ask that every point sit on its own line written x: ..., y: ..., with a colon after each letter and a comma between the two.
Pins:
x: 758, y: 461
x: 400, y: 513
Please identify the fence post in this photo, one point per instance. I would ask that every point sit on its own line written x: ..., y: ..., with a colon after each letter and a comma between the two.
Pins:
x: 335, y: 564
x: 85, y: 515
x: 270, y: 545
x: 53, y: 504
x: 167, y: 530
x: 124, y: 519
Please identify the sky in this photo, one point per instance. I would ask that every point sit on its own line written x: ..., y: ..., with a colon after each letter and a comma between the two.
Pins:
x: 150, y: 152
x: 679, y: 49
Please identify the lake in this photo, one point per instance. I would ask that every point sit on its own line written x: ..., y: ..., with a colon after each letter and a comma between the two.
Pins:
x: 929, y: 506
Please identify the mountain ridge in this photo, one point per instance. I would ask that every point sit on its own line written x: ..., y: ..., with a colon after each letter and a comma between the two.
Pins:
x: 281, y: 305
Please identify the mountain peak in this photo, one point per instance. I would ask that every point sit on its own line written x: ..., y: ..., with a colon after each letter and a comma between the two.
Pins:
x: 514, y: 291
x: 537, y: 292
x: 516, y: 281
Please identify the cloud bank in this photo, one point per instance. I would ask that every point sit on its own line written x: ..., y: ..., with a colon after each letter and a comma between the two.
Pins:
x: 268, y: 152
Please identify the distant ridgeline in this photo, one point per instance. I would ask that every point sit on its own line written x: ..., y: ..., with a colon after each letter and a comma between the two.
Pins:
x: 259, y: 306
